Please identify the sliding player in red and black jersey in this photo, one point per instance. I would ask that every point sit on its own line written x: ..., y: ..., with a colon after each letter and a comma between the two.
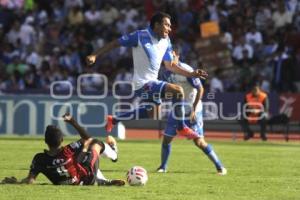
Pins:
x: 74, y: 164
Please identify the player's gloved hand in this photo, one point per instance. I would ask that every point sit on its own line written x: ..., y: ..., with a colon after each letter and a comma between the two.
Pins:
x: 91, y: 59
x: 9, y: 180
x: 199, y: 73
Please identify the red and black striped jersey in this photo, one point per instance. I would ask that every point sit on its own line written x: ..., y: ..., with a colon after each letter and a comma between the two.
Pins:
x: 62, y: 168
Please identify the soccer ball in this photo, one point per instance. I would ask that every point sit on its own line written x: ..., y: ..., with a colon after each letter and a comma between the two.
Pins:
x: 137, y: 176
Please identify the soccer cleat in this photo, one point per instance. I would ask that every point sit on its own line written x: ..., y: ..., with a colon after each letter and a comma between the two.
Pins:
x: 109, y: 123
x: 222, y: 171
x: 110, y: 140
x: 161, y: 170
x: 107, y: 182
x: 187, y: 132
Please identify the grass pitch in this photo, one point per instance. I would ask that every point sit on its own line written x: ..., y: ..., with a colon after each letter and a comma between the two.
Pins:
x: 256, y: 170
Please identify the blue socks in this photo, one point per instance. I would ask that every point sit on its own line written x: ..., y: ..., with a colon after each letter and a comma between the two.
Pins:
x: 209, y: 151
x: 165, y: 153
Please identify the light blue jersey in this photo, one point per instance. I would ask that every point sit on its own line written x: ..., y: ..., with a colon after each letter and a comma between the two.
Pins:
x: 148, y: 53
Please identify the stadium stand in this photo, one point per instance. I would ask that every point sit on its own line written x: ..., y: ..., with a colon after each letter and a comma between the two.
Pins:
x: 43, y: 40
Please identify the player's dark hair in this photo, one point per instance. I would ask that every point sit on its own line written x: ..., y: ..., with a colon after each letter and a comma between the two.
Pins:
x: 158, y: 18
x: 53, y: 136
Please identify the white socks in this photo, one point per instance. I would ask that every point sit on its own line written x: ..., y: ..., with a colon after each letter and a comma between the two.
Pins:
x: 109, y: 152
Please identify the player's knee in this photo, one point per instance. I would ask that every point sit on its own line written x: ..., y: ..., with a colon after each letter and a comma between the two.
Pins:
x: 179, y: 92
x: 97, y: 145
x: 200, y: 142
x: 176, y: 90
x: 167, y: 140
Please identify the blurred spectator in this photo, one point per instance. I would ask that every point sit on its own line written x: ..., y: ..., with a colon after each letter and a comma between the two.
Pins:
x: 14, y: 33
x: 16, y: 66
x: 263, y: 16
x: 31, y: 78
x: 282, y: 16
x: 75, y: 16
x: 256, y: 108
x: 241, y: 50
x: 92, y: 16
x: 70, y: 60
x: 216, y: 84
x: 109, y: 14
x: 253, y: 37
x: 283, y: 71
x: 27, y: 32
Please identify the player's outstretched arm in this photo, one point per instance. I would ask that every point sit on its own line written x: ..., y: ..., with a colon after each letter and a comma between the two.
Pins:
x: 13, y: 180
x: 69, y: 119
x: 175, y: 68
x: 91, y: 59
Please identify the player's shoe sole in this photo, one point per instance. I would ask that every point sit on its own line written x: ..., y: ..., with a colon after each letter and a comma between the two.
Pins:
x: 222, y: 171
x: 187, y: 132
x: 160, y: 170
x: 109, y: 123
x: 114, y: 182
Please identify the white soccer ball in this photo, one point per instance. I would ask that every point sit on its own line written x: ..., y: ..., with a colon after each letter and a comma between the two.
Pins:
x: 137, y: 176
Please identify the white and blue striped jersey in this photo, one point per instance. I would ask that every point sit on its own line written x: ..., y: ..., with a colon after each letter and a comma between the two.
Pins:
x: 189, y: 85
x: 148, y: 53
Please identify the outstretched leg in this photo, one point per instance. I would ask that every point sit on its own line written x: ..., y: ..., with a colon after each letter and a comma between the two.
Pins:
x: 211, y: 154
x: 150, y: 95
x: 96, y: 149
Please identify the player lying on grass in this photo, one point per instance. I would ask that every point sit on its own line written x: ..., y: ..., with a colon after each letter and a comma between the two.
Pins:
x: 193, y: 94
x: 151, y: 47
x: 74, y: 164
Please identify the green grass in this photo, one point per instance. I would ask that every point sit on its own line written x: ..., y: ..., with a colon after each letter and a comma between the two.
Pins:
x: 256, y: 170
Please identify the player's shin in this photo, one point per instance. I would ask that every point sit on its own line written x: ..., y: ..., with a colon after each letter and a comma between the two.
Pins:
x: 165, y: 154
x: 209, y: 151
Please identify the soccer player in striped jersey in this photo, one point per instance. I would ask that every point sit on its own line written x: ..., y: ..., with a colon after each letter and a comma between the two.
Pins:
x: 151, y: 47
x: 193, y: 94
x: 74, y: 164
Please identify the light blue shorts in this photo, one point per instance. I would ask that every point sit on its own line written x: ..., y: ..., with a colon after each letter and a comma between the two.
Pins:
x: 197, y: 126
x: 152, y: 92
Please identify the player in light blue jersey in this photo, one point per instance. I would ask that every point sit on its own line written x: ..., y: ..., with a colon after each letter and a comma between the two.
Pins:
x: 193, y: 90
x: 151, y: 47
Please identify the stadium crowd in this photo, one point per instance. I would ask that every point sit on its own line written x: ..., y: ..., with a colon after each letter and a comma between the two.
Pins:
x: 42, y: 41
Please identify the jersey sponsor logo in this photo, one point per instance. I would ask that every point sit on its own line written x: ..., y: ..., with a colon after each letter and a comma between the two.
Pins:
x: 196, y: 81
x: 59, y: 162
x: 75, y: 145
x: 125, y: 37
